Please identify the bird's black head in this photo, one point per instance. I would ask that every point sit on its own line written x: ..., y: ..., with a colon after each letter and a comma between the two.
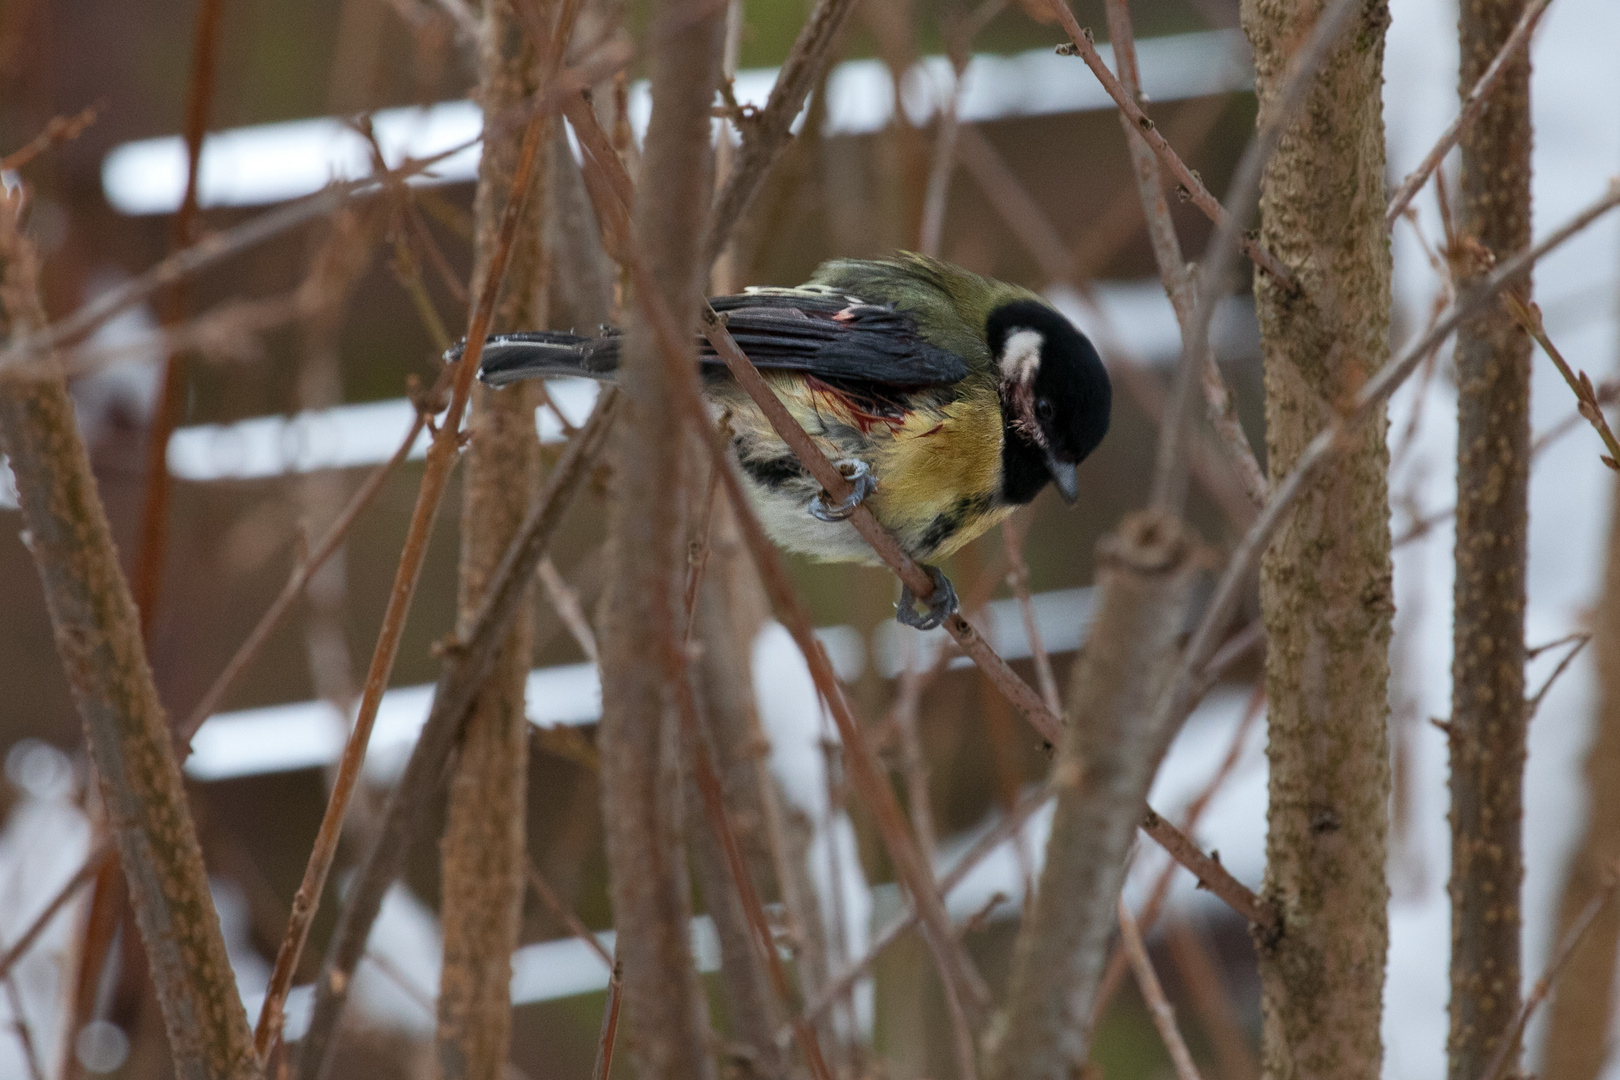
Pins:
x: 1055, y: 395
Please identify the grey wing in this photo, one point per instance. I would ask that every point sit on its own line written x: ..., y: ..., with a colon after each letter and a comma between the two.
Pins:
x: 825, y: 333
x: 813, y: 330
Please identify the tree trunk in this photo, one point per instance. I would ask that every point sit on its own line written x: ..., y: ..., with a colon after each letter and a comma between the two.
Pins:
x: 483, y: 847
x: 638, y: 737
x: 1488, y: 713
x: 1325, y: 581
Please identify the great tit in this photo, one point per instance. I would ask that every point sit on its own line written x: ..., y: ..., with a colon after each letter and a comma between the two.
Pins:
x: 948, y: 399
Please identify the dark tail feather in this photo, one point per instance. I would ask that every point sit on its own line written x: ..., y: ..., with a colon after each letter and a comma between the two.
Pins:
x: 508, y: 358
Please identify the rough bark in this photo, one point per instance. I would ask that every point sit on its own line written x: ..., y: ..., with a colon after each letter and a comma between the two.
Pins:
x: 482, y: 853
x: 641, y: 800
x: 1325, y: 579
x: 1578, y: 1032
x: 99, y: 639
x: 1488, y: 712
x: 1106, y: 759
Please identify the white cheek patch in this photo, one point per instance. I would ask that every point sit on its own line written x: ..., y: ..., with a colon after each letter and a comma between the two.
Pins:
x: 1021, y: 356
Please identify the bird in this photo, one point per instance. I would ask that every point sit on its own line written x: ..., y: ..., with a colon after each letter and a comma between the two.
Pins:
x: 947, y: 399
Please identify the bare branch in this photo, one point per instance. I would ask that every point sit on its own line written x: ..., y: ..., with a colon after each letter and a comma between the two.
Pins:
x: 468, y: 662
x: 1533, y: 705
x: 1106, y: 759
x: 767, y: 132
x: 1212, y: 875
x: 1080, y: 45
x: 146, y: 580
x: 60, y: 129
x: 1471, y: 108
x: 643, y: 684
x: 1018, y: 579
x: 1164, y: 1017
x: 79, y: 880
x: 440, y: 457
x: 1589, y: 406
x: 98, y: 637
x: 273, y: 223
x: 290, y: 592
x: 610, y: 1025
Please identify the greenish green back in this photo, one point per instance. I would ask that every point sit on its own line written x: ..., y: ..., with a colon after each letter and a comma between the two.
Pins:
x: 951, y: 305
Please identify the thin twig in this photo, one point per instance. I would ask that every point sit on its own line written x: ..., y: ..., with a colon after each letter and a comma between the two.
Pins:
x: 548, y: 896
x: 1471, y: 108
x: 1566, y: 948
x: 25, y: 1035
x: 79, y: 880
x: 1211, y: 874
x: 1528, y: 316
x: 60, y: 129
x: 1018, y: 580
x: 441, y: 456
x: 610, y: 1026
x: 1199, y: 195
x: 290, y: 592
x: 1533, y: 706
x: 1164, y: 1017
x: 147, y: 576
x: 943, y: 160
x: 1170, y: 466
x: 568, y: 607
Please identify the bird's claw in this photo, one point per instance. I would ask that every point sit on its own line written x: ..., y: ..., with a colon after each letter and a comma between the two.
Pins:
x: 942, y: 603
x: 862, y: 484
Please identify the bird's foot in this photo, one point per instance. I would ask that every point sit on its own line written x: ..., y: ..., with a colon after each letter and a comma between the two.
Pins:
x: 862, y: 483
x: 941, y: 605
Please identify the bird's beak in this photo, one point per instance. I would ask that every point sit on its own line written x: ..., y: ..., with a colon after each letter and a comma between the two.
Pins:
x: 1064, y: 474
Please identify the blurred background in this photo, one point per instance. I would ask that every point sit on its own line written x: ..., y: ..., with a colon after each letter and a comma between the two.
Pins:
x: 281, y: 418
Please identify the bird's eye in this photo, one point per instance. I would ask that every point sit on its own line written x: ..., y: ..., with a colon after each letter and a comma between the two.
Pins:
x: 1043, y: 409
